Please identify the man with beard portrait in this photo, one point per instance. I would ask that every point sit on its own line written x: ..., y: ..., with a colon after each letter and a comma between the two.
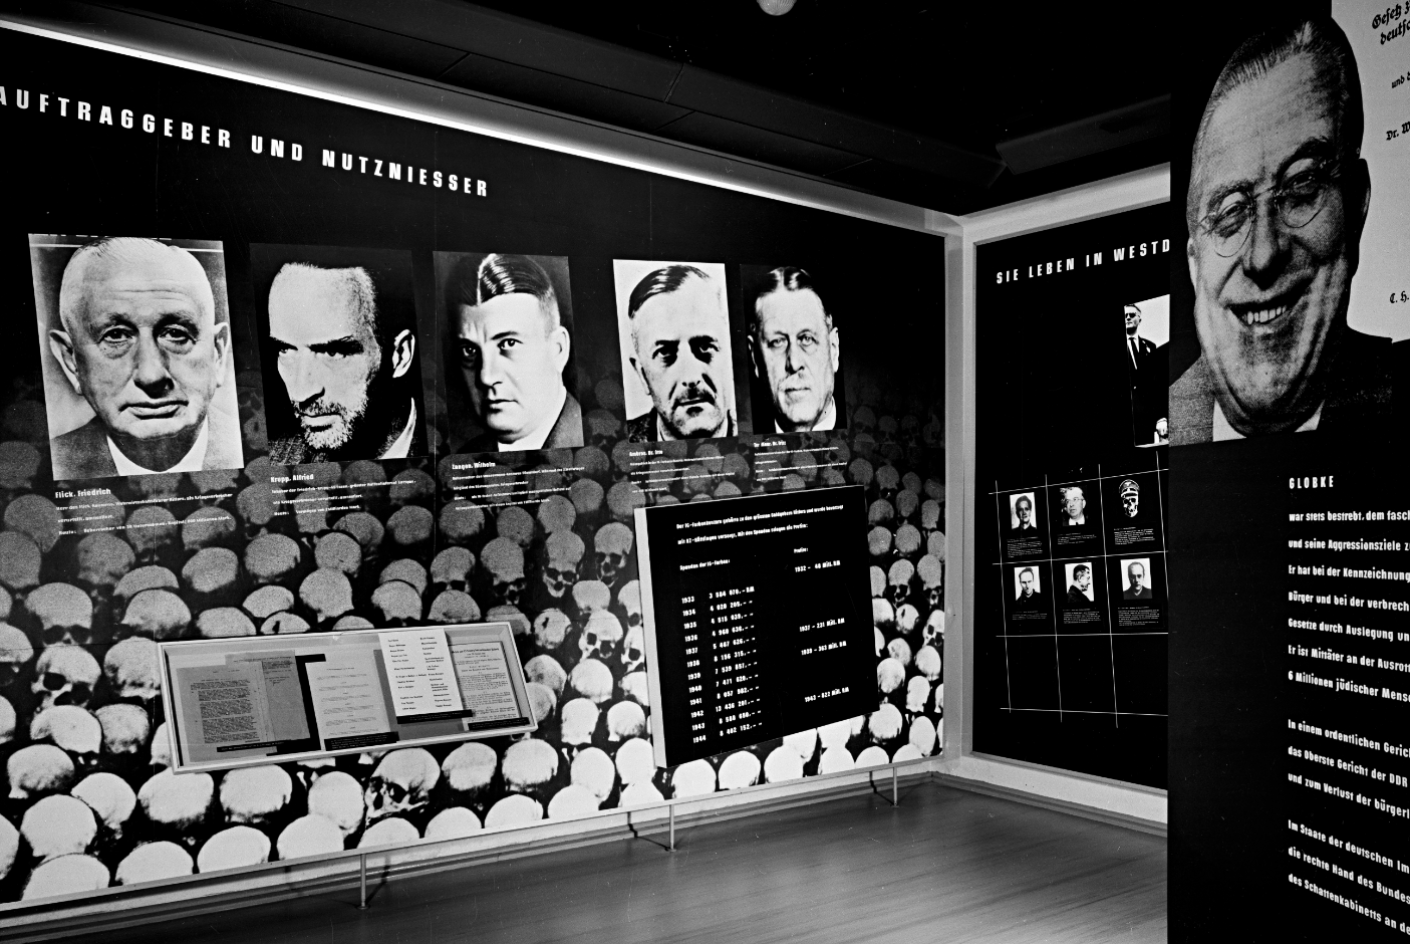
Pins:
x: 341, y: 329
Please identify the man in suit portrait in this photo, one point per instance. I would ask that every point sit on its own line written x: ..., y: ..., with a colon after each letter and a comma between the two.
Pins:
x: 1023, y: 514
x: 1028, y: 594
x: 1277, y: 202
x: 796, y: 350
x: 680, y: 350
x: 1074, y: 505
x: 1080, y: 593
x: 138, y: 339
x: 513, y: 351
x: 1136, y: 578
x: 341, y: 328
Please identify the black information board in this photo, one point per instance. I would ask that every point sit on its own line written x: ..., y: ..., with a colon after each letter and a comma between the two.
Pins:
x: 757, y: 618
x: 1071, y: 614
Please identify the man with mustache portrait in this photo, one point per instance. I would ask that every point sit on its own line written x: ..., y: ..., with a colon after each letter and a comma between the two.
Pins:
x: 341, y: 330
x: 1277, y: 202
x: 680, y: 351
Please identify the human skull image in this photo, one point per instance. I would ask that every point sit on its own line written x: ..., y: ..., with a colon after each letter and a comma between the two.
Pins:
x: 63, y: 613
x: 550, y: 629
x: 590, y: 596
x: 503, y: 561
x: 38, y: 770
x: 602, y: 636
x: 634, y: 650
x: 906, y: 618
x: 933, y: 633
x: 132, y: 670
x: 612, y: 549
x: 563, y: 555
x: 898, y: 581
x: 15, y: 651
x: 450, y: 570
x: 1130, y: 493
x: 932, y: 580
x: 401, y: 785
x: 72, y: 728
x: 65, y: 675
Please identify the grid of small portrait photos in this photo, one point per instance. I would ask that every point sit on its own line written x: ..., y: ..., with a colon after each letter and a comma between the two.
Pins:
x: 1083, y: 584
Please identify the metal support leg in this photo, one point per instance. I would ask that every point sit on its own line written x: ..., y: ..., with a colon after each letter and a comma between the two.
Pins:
x: 362, y: 900
x: 895, y: 800
x: 671, y: 845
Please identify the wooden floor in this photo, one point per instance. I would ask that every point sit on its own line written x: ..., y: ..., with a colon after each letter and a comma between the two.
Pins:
x: 946, y: 866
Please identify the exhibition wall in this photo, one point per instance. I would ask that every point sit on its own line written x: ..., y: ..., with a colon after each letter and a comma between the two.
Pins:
x: 409, y: 371
x: 1288, y: 789
x: 1126, y: 458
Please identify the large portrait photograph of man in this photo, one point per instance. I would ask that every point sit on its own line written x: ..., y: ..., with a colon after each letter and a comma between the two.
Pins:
x: 795, y: 351
x: 341, y: 370
x: 136, y: 353
x: 1275, y: 212
x: 677, y: 361
x: 508, y: 352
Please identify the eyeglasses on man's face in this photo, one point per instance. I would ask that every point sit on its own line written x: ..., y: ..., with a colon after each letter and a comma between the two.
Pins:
x: 1295, y: 202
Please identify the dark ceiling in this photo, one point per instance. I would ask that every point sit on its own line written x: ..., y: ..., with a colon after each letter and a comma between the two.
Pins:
x: 955, y: 107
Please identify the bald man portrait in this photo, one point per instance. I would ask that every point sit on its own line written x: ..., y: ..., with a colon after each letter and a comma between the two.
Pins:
x: 340, y: 331
x: 136, y: 332
x: 1277, y: 202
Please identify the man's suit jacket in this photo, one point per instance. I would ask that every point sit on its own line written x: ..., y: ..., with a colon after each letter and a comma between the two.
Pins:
x: 83, y: 453
x: 1076, y: 597
x: 1358, y: 392
x: 567, y: 432
x: 1143, y: 594
x: 1035, y: 600
x: 1144, y: 350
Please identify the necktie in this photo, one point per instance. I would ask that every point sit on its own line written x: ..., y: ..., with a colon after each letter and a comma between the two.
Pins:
x: 1134, y: 362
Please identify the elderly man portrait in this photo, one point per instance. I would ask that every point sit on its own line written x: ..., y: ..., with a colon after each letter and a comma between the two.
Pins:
x: 1074, y: 507
x: 795, y: 352
x: 512, y: 348
x: 679, y: 349
x: 140, y: 338
x: 1136, y: 588
x: 1277, y: 202
x: 341, y: 329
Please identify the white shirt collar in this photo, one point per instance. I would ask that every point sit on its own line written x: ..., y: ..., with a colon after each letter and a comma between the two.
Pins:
x: 1224, y: 431
x: 193, y: 461
x: 402, y: 447
x: 827, y: 421
x: 538, y: 437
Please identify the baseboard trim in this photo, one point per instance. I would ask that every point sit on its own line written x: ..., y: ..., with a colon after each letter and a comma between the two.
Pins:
x: 1139, y: 824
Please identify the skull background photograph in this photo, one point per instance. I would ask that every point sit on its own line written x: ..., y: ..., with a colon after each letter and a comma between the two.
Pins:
x: 321, y: 528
